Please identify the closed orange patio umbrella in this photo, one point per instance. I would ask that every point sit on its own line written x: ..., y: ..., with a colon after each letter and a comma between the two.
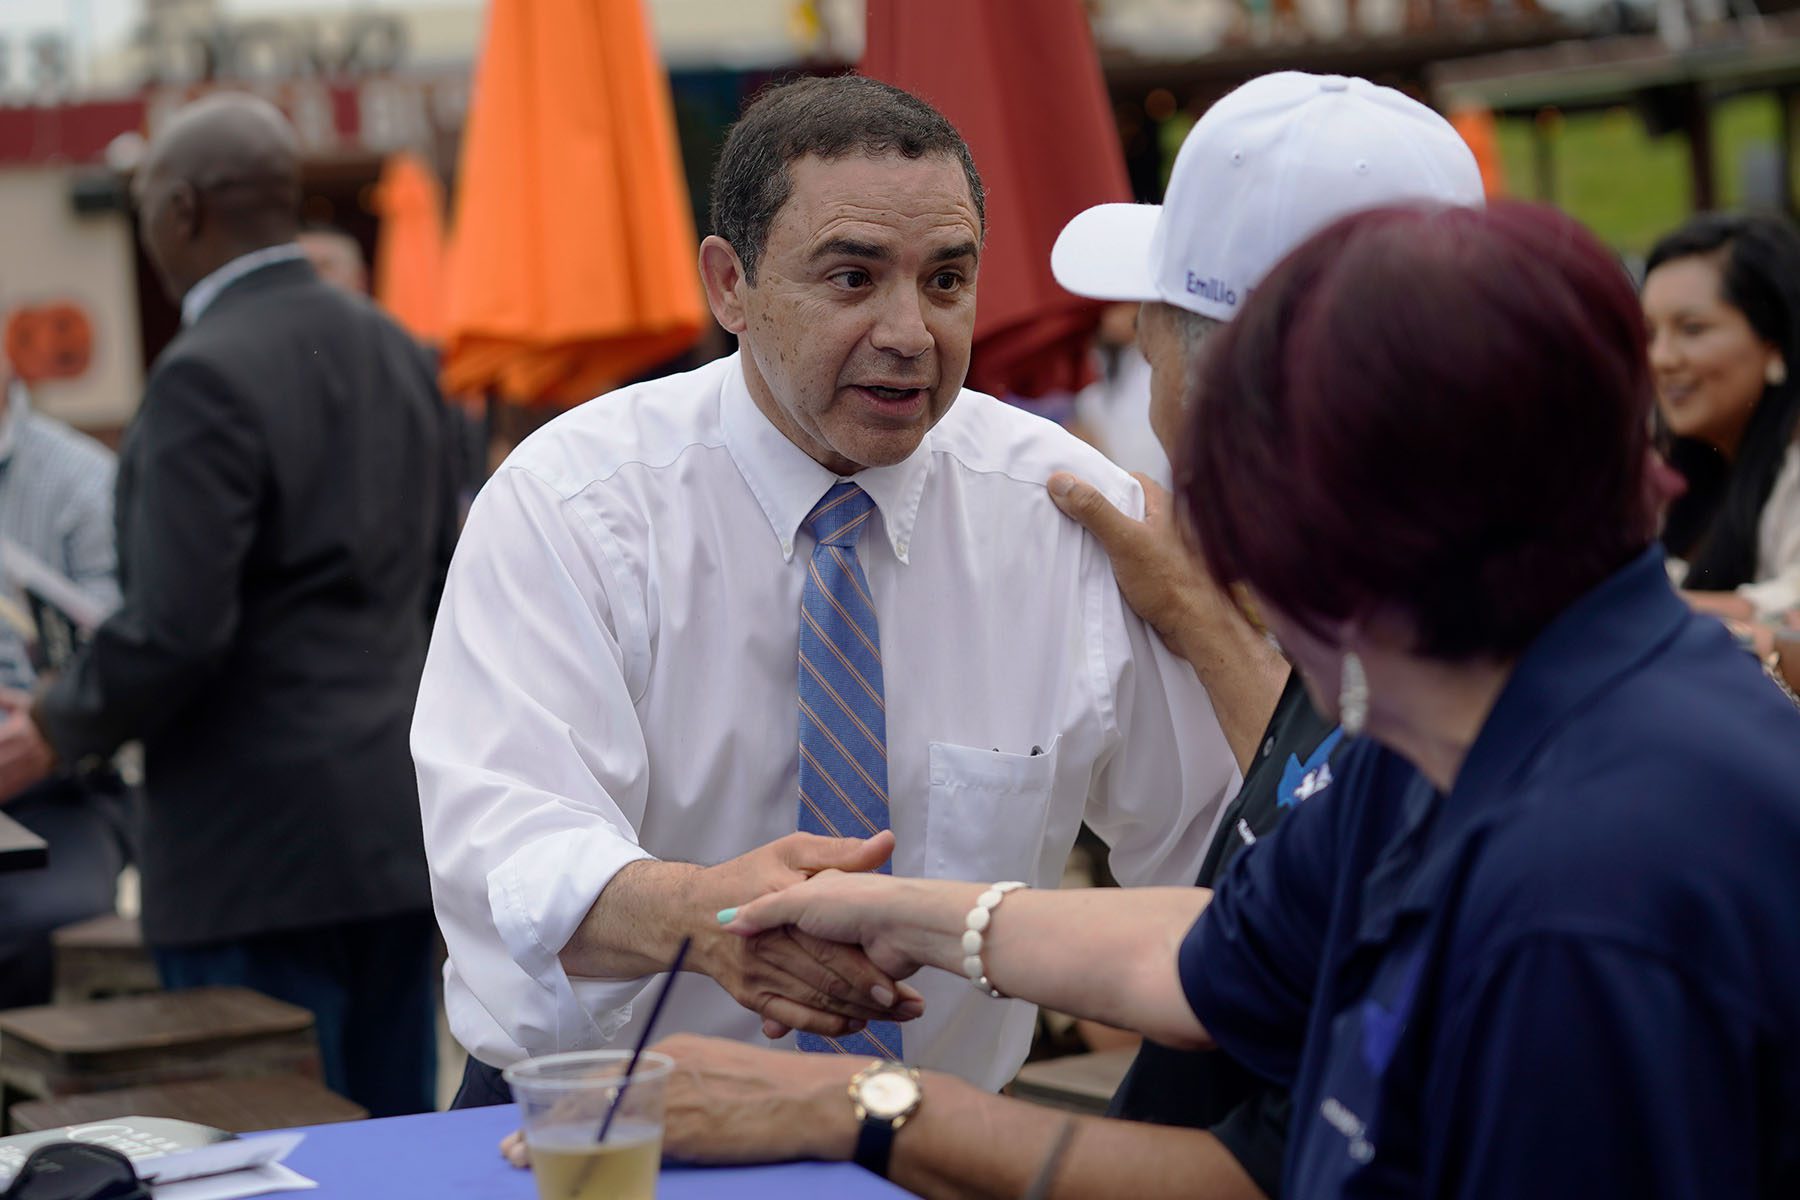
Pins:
x: 1021, y: 80
x: 572, y: 261
x: 409, y: 247
x: 1479, y: 129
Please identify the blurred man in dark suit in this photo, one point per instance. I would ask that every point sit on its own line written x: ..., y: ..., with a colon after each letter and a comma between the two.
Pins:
x: 285, y: 517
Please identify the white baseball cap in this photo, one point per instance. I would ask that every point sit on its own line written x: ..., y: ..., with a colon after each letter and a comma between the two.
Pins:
x: 1269, y: 165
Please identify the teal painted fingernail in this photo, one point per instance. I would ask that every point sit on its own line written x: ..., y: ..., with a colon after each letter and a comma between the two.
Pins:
x: 727, y: 915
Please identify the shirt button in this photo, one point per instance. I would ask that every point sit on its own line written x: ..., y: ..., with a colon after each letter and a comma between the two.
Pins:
x: 902, y: 547
x: 787, y: 548
x: 1268, y: 747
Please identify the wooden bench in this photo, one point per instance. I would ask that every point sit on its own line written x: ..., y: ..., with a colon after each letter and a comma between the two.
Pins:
x: 234, y: 1105
x: 146, y: 1041
x: 1082, y: 1083
x: 102, y: 957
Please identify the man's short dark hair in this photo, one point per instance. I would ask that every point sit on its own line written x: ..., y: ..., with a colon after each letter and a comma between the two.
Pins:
x: 828, y: 118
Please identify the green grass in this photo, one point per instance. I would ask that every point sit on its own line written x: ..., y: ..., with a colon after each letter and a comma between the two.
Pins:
x: 1625, y: 185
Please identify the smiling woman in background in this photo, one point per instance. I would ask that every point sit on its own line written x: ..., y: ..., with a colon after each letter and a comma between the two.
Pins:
x: 1722, y: 299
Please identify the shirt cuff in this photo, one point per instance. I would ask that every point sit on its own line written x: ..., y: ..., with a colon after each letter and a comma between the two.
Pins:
x: 539, y: 897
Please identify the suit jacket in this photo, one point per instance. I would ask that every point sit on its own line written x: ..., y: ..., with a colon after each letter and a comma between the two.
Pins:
x: 285, y: 515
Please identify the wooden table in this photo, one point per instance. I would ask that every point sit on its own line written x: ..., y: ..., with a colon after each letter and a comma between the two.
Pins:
x: 20, y: 849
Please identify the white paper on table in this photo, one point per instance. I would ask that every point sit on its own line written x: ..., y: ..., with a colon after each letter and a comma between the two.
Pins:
x: 228, y: 1170
x: 254, y: 1181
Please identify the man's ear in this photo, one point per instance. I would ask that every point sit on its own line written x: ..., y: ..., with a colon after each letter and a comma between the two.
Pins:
x: 184, y: 210
x: 722, y: 273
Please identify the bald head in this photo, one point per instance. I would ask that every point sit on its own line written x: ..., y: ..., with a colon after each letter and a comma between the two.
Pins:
x: 221, y: 179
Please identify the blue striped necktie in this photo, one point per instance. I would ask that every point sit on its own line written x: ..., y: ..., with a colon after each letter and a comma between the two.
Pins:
x: 843, y: 718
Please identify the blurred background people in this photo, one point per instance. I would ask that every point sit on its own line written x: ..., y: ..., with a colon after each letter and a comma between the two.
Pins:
x: 337, y: 257
x: 56, y: 504
x: 1722, y: 300
x: 1114, y: 410
x: 285, y: 520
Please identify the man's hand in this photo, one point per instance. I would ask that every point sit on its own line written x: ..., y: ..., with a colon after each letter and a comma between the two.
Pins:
x: 1159, y: 576
x: 25, y: 757
x: 731, y: 1103
x: 1167, y: 585
x: 793, y: 979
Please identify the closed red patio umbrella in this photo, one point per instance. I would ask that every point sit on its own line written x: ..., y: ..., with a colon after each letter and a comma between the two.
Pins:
x: 1022, y: 81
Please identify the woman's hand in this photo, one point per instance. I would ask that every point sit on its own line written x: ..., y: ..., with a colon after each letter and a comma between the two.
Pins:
x: 901, y: 924
x: 1727, y: 606
x: 1759, y: 638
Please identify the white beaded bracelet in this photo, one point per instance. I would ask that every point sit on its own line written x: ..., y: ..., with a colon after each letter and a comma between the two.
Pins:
x: 974, y: 926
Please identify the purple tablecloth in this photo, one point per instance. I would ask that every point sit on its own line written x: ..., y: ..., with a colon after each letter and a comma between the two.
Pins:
x: 453, y: 1156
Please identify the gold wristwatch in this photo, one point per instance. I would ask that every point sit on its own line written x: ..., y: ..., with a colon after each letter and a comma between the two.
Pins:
x: 884, y: 1094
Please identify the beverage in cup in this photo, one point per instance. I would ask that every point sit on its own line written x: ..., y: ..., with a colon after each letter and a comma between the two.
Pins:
x: 564, y: 1101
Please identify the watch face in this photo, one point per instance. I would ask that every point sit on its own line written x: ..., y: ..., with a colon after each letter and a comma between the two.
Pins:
x: 888, y: 1094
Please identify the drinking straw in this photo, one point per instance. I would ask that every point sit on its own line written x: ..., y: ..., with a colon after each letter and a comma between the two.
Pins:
x: 1040, y: 1185
x: 644, y: 1036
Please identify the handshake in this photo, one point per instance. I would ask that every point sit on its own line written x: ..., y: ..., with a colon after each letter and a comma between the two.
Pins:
x: 800, y: 931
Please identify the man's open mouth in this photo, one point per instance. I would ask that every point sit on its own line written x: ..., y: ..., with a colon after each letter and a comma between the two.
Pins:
x: 891, y: 393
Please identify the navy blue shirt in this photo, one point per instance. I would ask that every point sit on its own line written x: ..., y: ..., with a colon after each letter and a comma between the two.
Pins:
x: 1578, y: 973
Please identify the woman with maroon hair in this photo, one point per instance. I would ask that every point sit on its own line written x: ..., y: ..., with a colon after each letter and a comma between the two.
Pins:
x: 1538, y: 937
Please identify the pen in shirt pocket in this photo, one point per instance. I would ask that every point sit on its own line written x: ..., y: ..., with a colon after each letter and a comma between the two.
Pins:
x: 1035, y: 751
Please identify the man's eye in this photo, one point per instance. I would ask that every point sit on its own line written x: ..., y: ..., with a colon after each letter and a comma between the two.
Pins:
x: 851, y: 279
x: 946, y: 281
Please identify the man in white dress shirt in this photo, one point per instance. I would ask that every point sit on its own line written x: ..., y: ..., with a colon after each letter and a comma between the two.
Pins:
x: 815, y: 586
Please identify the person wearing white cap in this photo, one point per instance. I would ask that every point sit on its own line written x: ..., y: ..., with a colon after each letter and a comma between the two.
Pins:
x: 1267, y: 166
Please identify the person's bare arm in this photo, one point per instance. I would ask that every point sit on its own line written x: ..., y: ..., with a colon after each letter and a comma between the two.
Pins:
x: 730, y: 1103
x: 1725, y: 605
x: 1107, y: 954
x: 1167, y: 586
x: 790, y: 978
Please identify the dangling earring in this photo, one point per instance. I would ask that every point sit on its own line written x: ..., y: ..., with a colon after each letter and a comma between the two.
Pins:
x: 1353, y: 695
x: 1775, y: 374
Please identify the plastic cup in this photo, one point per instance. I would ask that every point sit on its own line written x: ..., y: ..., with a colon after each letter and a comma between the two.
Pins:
x: 564, y: 1100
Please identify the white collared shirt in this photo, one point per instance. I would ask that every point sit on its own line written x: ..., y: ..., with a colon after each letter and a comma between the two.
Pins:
x: 56, y: 505
x: 613, y: 677
x: 200, y: 297
x: 1777, y: 585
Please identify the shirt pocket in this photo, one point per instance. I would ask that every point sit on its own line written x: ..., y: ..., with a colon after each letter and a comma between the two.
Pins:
x: 987, y: 813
